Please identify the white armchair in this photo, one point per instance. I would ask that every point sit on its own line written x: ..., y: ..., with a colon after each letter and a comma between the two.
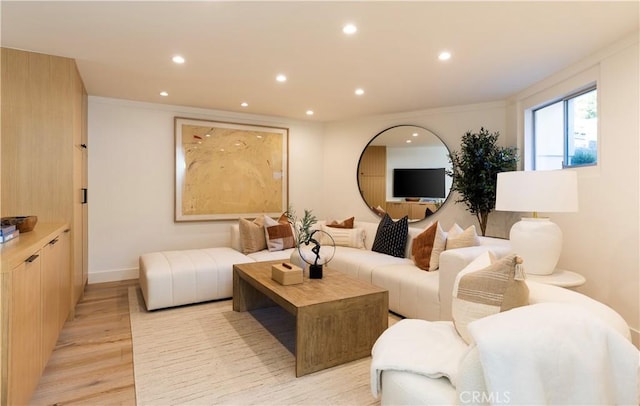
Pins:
x: 428, y: 363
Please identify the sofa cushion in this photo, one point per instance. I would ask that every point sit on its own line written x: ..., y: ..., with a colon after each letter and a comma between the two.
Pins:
x: 486, y: 287
x: 391, y: 236
x: 347, y: 223
x: 426, y: 247
x: 459, y: 238
x: 279, y: 234
x: 343, y: 237
x: 360, y: 263
x: 252, y: 237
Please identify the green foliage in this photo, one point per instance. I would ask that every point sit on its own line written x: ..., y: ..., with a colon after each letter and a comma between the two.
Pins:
x: 475, y: 170
x: 303, y: 226
x: 583, y: 156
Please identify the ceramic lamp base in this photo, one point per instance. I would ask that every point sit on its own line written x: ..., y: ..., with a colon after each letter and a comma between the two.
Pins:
x: 539, y: 242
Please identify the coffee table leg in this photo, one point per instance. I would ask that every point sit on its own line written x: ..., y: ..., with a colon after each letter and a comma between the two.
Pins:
x: 246, y: 297
x: 333, y: 333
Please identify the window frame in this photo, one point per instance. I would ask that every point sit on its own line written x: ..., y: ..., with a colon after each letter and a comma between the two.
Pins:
x: 565, y: 138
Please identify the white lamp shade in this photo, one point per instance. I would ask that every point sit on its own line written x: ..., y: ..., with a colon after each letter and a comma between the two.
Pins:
x: 537, y: 191
x: 537, y: 240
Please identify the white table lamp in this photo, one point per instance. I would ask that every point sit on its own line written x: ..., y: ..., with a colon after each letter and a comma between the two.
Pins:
x: 536, y: 239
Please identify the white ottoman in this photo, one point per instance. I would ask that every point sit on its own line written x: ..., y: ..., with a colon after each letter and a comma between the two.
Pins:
x: 174, y: 278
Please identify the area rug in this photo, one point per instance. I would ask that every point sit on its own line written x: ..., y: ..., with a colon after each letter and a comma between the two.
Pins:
x: 206, y: 354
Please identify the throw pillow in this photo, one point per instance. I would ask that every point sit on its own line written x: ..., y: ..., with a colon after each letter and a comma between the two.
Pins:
x: 252, y: 238
x: 391, y: 237
x: 427, y: 247
x: 348, y: 223
x: 482, y: 291
x: 278, y: 234
x: 458, y: 238
x: 344, y: 237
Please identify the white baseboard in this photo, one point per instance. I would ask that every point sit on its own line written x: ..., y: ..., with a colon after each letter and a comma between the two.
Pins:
x: 113, y: 275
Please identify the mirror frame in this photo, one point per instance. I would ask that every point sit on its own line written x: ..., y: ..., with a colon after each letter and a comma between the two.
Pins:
x: 448, y: 179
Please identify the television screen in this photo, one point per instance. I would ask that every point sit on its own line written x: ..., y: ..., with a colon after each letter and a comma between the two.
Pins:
x: 419, y: 182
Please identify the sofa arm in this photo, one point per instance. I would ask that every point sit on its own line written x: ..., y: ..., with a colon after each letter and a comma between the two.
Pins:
x: 455, y: 260
x: 235, y: 237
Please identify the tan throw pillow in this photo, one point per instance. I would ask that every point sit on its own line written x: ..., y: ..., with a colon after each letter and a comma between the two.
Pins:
x: 458, y: 238
x: 348, y: 223
x: 427, y: 247
x: 344, y: 237
x: 483, y: 291
x: 279, y: 234
x: 252, y: 238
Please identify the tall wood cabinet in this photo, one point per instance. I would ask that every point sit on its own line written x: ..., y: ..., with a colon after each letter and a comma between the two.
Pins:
x: 43, y: 160
x: 372, y: 177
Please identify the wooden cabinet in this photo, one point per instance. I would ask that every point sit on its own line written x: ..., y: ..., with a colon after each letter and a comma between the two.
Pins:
x: 34, y: 281
x: 415, y: 210
x: 44, y: 148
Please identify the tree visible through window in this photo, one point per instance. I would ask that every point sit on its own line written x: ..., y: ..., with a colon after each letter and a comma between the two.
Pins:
x: 566, y: 132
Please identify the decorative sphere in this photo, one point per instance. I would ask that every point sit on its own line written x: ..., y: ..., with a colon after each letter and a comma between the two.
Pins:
x: 320, y: 249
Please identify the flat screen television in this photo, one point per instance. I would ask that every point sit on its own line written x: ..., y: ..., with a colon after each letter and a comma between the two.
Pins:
x: 419, y: 182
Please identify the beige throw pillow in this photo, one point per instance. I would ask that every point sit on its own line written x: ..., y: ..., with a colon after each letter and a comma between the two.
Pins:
x: 427, y: 247
x: 480, y: 291
x: 458, y: 238
x: 252, y: 238
x: 279, y: 234
x: 345, y: 237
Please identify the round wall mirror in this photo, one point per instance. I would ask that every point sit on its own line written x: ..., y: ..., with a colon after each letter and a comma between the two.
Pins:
x: 402, y: 171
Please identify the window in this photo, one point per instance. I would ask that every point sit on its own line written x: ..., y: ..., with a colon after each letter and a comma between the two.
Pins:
x: 565, y: 132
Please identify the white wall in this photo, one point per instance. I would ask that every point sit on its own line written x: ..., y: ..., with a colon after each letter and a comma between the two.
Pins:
x: 601, y: 241
x: 131, y: 182
x: 344, y: 142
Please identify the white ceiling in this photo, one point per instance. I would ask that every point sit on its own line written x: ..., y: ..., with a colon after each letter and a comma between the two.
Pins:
x: 234, y: 50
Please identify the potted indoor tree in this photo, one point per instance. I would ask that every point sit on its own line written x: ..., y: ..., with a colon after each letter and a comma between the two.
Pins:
x: 475, y: 170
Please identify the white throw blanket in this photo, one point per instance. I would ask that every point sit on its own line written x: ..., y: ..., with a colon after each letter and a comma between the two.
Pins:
x: 555, y: 353
x: 432, y: 349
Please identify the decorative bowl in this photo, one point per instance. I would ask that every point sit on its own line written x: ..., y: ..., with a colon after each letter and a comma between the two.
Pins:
x: 23, y: 223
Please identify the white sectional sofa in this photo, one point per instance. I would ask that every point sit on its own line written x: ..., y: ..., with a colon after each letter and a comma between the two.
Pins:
x: 175, y: 278
x: 413, y: 293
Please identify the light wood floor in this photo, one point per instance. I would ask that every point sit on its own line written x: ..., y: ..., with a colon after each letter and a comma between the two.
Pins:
x: 92, y: 363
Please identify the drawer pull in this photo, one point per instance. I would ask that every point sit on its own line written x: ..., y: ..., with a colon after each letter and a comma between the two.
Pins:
x: 54, y: 241
x: 32, y: 258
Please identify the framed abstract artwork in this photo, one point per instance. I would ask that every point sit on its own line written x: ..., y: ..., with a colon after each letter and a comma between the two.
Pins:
x: 229, y: 170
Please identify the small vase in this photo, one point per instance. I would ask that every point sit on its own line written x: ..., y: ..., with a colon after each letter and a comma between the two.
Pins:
x: 297, y: 260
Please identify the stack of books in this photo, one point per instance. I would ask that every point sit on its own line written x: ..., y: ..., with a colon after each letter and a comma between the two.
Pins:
x: 8, y: 233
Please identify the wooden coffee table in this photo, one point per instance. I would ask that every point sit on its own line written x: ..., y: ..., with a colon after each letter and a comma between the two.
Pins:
x: 338, y: 318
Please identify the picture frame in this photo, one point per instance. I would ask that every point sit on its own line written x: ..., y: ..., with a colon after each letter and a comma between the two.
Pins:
x: 226, y: 171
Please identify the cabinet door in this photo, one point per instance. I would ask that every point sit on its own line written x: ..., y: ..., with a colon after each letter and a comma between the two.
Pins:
x: 50, y: 297
x: 25, y: 337
x: 64, y: 263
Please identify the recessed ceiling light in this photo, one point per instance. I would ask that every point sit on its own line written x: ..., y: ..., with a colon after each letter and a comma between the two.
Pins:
x: 444, y: 56
x: 408, y: 141
x: 359, y: 92
x: 207, y: 135
x: 244, y: 104
x: 309, y: 112
x: 281, y: 78
x: 414, y: 134
x: 349, y: 29
x: 178, y: 59
x: 164, y: 94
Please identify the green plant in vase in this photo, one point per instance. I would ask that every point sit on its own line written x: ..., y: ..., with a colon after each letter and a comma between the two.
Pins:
x: 475, y: 170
